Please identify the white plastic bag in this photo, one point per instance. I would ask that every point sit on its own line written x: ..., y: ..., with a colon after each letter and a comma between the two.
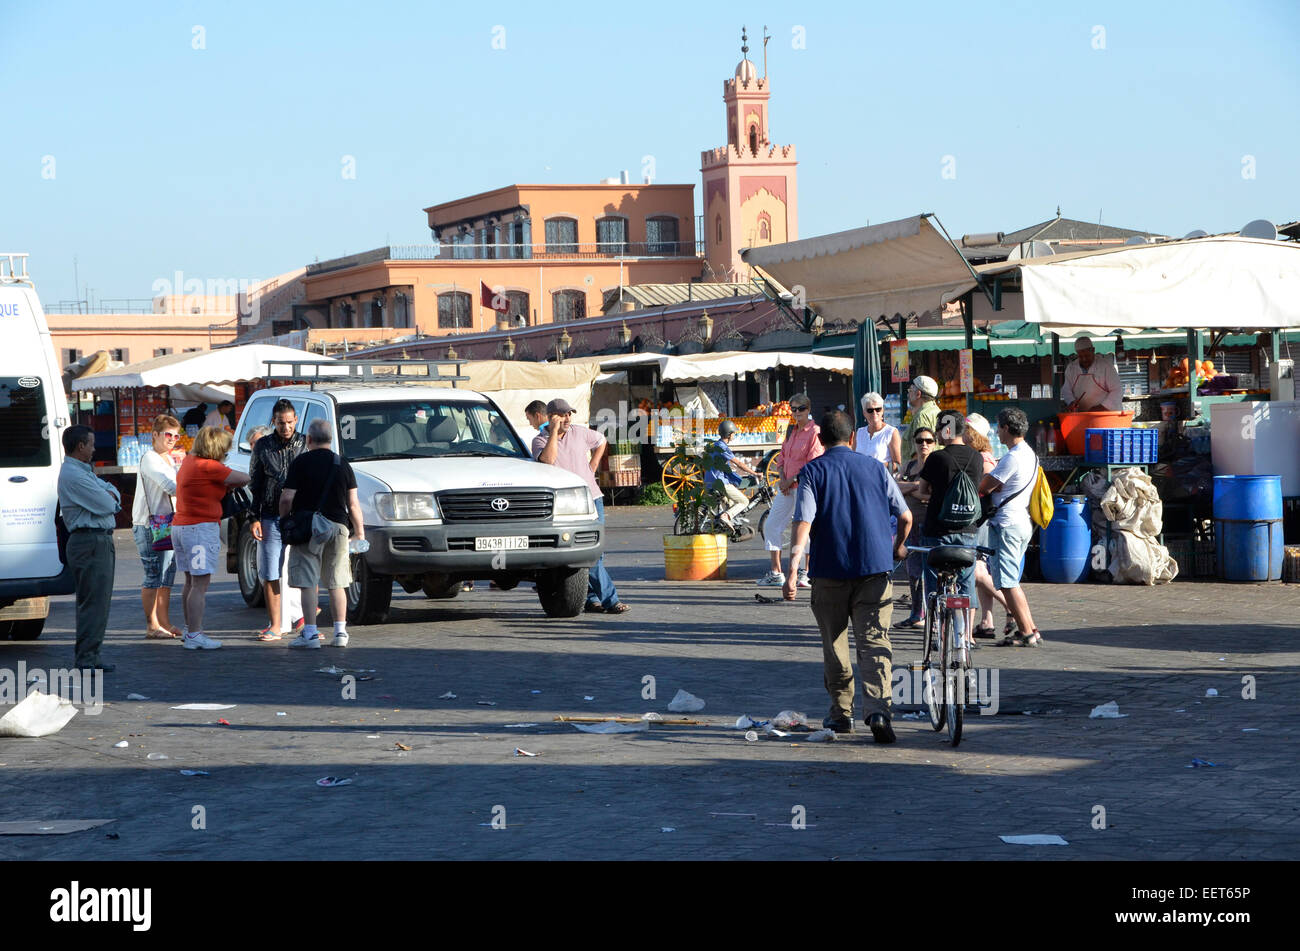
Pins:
x: 39, y: 715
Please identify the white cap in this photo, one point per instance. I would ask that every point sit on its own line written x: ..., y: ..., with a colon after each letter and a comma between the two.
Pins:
x: 978, y: 423
x: 927, y: 386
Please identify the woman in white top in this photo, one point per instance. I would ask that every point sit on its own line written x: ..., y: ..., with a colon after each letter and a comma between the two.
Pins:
x: 878, y: 439
x: 155, y: 485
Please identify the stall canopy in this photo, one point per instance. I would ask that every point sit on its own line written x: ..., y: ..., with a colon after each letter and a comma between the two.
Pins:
x: 512, y: 384
x: 724, y: 366
x: 1214, y: 282
x: 191, y: 374
x: 900, y: 267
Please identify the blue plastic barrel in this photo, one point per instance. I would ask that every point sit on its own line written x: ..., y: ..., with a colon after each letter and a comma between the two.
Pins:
x: 1248, y: 527
x: 1066, y: 542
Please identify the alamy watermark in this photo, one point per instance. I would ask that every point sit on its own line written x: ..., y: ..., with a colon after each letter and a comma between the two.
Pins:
x: 194, y: 294
x: 82, y: 687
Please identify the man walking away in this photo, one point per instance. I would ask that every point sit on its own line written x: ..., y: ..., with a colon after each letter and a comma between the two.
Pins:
x: 318, y: 480
x: 88, y: 505
x: 801, y: 445
x: 268, y: 468
x: 841, y: 518
x: 579, y: 450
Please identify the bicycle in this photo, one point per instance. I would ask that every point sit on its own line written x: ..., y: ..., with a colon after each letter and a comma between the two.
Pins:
x: 711, y: 520
x: 944, y: 685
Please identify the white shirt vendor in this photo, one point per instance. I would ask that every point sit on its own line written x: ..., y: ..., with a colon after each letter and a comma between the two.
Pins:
x: 1091, y: 383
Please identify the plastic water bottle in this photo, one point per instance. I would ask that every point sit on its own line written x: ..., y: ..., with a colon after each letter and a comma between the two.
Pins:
x: 359, y: 546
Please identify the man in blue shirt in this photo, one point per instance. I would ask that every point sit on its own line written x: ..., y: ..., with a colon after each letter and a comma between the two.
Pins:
x: 89, y: 506
x: 720, y: 465
x: 842, y: 517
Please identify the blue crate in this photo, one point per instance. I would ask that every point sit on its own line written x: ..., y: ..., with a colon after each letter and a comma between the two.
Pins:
x: 1120, y: 446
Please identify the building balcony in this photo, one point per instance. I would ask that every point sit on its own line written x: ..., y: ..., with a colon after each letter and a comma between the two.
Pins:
x: 565, y: 251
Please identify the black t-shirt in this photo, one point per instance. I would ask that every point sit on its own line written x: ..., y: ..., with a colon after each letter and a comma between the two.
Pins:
x: 939, y: 471
x: 307, y: 476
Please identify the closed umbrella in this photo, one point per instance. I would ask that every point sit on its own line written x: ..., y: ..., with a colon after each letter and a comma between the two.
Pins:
x: 866, y: 366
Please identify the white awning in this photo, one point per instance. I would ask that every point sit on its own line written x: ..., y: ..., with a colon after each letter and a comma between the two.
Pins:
x: 724, y: 366
x: 900, y: 267
x: 1220, y: 282
x: 226, y: 366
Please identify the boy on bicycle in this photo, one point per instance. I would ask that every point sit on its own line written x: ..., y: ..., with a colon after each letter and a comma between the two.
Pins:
x: 720, y: 470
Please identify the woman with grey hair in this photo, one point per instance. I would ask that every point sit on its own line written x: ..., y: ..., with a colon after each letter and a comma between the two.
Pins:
x: 877, y: 438
x: 256, y: 433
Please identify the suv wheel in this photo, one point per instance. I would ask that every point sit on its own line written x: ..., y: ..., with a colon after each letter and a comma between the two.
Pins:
x: 250, y: 585
x: 369, y: 595
x: 28, y: 629
x: 563, y: 592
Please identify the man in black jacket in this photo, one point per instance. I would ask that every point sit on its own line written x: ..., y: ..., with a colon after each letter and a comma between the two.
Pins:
x: 268, y: 468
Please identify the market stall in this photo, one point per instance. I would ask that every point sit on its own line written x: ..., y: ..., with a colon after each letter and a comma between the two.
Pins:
x: 140, y: 391
x: 667, y: 400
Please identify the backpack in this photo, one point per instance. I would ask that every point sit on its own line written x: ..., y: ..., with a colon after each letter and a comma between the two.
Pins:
x: 1041, y: 507
x: 961, y: 506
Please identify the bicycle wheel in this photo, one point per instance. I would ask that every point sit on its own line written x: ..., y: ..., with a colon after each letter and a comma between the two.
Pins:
x: 954, y: 678
x: 932, y: 670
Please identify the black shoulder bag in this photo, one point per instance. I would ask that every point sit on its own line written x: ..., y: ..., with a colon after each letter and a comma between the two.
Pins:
x: 296, y: 527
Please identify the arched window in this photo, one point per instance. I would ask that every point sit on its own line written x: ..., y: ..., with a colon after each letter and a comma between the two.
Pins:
x: 764, y: 227
x: 454, y: 310
x: 518, y: 306
x: 568, y: 305
x: 661, y: 235
x: 753, y: 139
x: 719, y: 221
x: 611, y: 235
x: 561, y: 236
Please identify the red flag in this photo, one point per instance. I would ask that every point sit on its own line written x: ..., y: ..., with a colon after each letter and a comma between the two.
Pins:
x: 489, y: 299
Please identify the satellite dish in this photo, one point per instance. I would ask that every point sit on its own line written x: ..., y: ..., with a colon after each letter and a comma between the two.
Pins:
x: 1136, y: 239
x: 1259, y: 228
x: 1198, y: 233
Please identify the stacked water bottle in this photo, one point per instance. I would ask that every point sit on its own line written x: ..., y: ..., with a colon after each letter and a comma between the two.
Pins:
x: 131, y: 449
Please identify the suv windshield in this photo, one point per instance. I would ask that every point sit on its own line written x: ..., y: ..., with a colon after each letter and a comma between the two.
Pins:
x: 425, y: 428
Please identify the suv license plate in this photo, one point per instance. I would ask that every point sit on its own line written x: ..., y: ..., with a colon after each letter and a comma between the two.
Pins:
x: 501, y: 543
x: 958, y: 602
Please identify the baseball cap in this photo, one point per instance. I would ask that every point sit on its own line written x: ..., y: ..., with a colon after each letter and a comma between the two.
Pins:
x: 927, y: 386
x: 558, y: 408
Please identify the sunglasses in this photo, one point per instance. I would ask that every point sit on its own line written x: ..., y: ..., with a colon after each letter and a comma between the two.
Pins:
x: 875, y: 409
x: 924, y: 441
x: 170, y: 437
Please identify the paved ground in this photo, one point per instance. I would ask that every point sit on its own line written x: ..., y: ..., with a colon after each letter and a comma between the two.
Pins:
x: 1039, y: 766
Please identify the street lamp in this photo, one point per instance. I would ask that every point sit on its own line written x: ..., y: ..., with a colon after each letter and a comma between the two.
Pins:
x: 625, y: 334
x: 508, y: 348
x: 705, y: 325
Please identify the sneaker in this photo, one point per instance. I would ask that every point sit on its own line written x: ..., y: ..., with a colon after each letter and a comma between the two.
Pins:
x: 200, y: 641
x: 340, y: 639
x: 803, y: 581
x: 302, y: 640
x: 773, y: 579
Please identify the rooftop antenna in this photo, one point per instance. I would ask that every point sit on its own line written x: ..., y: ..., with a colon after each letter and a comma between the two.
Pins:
x: 766, y: 37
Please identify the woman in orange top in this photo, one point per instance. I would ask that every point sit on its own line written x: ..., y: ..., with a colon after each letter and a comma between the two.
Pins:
x: 201, y: 484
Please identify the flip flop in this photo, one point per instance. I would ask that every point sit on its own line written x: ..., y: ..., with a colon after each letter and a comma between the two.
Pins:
x: 619, y: 608
x: 269, y: 636
x: 159, y: 634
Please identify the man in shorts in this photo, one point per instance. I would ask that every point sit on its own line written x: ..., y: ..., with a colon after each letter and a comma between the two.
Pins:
x: 1011, y: 483
x: 319, y: 480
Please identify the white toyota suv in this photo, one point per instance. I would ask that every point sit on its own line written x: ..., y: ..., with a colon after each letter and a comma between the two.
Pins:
x: 448, y: 492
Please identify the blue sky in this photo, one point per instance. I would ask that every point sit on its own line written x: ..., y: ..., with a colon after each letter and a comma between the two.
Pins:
x: 225, y: 162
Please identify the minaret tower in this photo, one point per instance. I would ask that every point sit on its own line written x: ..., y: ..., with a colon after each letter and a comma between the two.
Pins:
x: 749, y: 184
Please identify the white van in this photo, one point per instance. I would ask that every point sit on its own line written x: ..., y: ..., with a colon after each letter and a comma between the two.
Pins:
x: 33, y: 415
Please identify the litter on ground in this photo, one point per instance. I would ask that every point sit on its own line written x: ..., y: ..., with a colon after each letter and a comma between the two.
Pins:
x: 194, y: 772
x: 205, y: 706
x: 1033, y: 840
x: 683, y: 702
x: 519, y: 752
x: 821, y: 736
x: 51, y: 827
x: 519, y: 726
x: 39, y: 714
x: 1107, y: 711
x: 332, y: 781
x: 613, y: 726
x: 442, y: 696
x: 136, y: 696
x: 1211, y: 692
x: 123, y: 745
